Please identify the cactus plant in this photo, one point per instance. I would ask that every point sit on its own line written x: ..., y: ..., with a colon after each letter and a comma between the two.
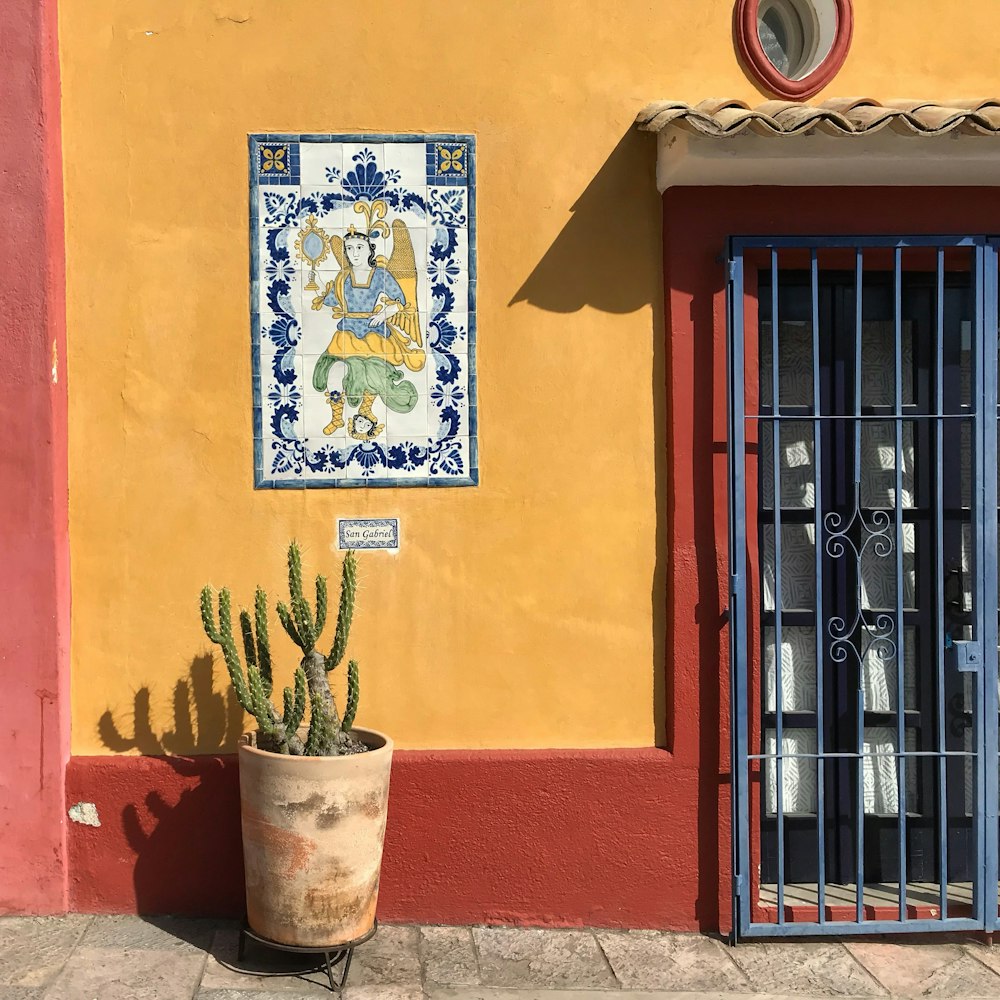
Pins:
x: 328, y: 733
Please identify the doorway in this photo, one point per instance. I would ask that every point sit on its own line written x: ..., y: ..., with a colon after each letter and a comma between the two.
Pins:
x: 863, y: 556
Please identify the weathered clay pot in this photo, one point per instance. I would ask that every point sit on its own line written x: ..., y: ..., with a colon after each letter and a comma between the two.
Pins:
x: 312, y: 841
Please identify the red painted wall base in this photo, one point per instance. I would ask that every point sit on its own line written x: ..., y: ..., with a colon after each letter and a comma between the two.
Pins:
x: 559, y: 838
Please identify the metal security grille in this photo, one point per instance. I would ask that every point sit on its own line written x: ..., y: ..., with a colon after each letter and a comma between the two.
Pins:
x: 863, y: 605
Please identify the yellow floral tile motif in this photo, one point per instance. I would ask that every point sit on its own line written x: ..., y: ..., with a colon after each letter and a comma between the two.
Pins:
x: 448, y: 163
x: 277, y: 163
x: 451, y: 159
x: 274, y: 159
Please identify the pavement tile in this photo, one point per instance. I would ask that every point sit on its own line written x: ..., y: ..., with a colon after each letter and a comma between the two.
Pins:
x: 499, y: 993
x: 387, y: 992
x: 280, y: 971
x: 818, y: 969
x: 389, y: 958
x: 158, y: 933
x: 901, y: 968
x: 33, y: 949
x: 650, y: 960
x: 932, y: 970
x: 351, y: 993
x: 204, y: 994
x: 547, y: 958
x: 987, y: 954
x: 135, y: 974
x: 448, y: 955
x: 964, y: 977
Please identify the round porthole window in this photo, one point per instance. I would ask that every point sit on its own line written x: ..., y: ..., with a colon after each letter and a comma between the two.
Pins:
x: 793, y: 47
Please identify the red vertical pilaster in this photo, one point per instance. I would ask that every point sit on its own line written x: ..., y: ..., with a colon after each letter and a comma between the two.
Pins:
x: 34, y: 551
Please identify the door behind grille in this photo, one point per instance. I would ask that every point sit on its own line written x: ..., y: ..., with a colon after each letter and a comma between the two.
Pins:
x: 862, y: 559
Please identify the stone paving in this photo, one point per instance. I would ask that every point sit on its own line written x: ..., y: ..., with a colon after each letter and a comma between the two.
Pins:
x: 130, y: 958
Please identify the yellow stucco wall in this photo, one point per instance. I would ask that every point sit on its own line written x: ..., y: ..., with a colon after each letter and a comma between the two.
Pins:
x: 525, y: 612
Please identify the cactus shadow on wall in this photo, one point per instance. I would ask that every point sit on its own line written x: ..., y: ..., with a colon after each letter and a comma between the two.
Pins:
x: 205, y: 720
x: 200, y: 797
x: 609, y: 257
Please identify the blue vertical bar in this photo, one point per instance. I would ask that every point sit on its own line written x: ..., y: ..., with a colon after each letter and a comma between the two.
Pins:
x: 897, y: 278
x: 939, y: 571
x: 978, y: 515
x: 779, y: 703
x: 818, y: 534
x: 991, y: 750
x: 737, y: 613
x: 859, y: 819
x: 736, y: 868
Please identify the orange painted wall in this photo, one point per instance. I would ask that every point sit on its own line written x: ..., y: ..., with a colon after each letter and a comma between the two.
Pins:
x: 528, y: 612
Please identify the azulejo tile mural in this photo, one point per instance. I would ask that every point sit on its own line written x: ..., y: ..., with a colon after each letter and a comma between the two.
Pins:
x: 363, y: 310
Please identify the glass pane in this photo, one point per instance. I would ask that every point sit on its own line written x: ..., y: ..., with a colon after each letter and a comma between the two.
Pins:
x: 879, y: 673
x: 878, y: 464
x: 798, y: 488
x: 795, y: 372
x: 965, y: 361
x: 798, y: 567
x: 966, y: 463
x: 881, y: 776
x: 878, y: 363
x: 798, y: 669
x: 798, y: 776
x: 878, y: 570
x: 969, y: 772
x: 774, y: 40
x: 965, y: 580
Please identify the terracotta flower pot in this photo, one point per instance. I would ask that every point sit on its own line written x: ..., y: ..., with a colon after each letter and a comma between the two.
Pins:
x: 312, y: 841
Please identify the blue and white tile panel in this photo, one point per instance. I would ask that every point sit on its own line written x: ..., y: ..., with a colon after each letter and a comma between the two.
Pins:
x: 346, y: 392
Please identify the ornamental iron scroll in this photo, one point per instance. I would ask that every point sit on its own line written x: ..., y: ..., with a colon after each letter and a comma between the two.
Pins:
x: 872, y: 539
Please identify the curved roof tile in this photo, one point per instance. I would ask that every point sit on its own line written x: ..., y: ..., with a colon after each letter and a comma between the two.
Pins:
x: 839, y: 116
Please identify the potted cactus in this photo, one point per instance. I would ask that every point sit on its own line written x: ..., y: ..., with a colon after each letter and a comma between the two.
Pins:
x: 313, y: 796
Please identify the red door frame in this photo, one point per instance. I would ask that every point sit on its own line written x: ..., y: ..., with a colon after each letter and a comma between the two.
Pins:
x: 696, y: 224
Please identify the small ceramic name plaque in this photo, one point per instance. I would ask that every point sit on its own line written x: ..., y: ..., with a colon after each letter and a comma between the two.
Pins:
x: 368, y: 533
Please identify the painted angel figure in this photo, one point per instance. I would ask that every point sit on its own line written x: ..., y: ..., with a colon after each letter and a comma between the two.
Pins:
x: 374, y: 301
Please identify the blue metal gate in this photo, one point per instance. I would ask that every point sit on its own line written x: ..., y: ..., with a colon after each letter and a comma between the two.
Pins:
x: 863, y: 584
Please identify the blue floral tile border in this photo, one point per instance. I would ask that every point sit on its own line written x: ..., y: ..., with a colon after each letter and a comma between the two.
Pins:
x: 363, y: 310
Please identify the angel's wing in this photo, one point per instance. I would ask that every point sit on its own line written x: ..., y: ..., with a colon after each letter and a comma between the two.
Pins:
x: 337, y: 246
x: 402, y: 265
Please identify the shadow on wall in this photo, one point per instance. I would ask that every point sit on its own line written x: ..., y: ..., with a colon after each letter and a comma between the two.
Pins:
x: 214, y: 727
x: 609, y: 257
x: 208, y: 724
